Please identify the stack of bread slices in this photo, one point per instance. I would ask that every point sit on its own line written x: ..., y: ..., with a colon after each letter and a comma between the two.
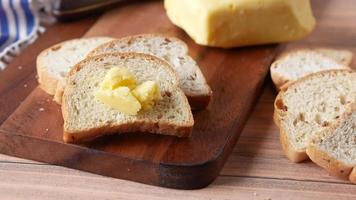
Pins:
x: 315, y: 109
x: 73, y: 70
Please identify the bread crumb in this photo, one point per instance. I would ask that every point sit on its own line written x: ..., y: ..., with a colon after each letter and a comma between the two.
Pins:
x: 25, y: 85
x: 41, y: 109
x: 255, y: 194
x: 19, y: 67
x: 47, y: 129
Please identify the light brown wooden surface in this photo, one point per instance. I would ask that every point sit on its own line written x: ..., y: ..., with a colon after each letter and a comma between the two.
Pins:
x: 257, y: 168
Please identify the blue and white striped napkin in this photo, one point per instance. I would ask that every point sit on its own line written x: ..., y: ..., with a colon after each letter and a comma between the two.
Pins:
x: 19, y: 26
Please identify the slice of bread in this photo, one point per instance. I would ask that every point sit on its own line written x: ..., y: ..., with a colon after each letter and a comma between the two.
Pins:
x: 85, y: 117
x: 293, y: 65
x: 343, y: 57
x: 335, y: 147
x: 175, y: 52
x: 309, y: 105
x: 54, y: 63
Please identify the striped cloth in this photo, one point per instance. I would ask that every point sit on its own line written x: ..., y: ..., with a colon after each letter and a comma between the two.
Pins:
x: 19, y: 26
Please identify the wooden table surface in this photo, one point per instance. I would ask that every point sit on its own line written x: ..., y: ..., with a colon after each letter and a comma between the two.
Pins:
x: 256, y: 169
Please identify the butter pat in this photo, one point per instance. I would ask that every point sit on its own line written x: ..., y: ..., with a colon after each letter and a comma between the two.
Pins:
x: 120, y: 91
x: 234, y: 23
x: 147, y: 93
x: 120, y: 99
x: 117, y: 77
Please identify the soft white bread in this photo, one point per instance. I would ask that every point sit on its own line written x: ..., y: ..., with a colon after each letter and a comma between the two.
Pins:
x: 295, y: 64
x: 54, y: 63
x: 309, y: 105
x: 175, y: 52
x: 343, y: 57
x: 85, y: 117
x: 335, y: 147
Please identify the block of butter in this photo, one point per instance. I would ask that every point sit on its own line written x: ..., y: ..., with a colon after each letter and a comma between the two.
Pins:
x: 120, y: 91
x: 234, y: 23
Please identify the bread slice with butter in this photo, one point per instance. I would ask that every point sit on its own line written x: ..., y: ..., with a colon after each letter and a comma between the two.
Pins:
x: 295, y: 64
x: 54, y: 63
x: 309, y: 105
x: 335, y: 147
x: 175, y: 52
x: 86, y: 117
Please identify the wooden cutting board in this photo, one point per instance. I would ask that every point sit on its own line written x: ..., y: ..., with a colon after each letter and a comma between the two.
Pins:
x: 34, y: 129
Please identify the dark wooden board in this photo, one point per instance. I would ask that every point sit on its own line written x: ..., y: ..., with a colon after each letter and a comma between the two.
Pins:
x: 34, y: 129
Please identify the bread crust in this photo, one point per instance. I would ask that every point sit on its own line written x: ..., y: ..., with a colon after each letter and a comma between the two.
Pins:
x: 352, y: 176
x: 48, y: 82
x: 330, y: 164
x: 197, y: 102
x: 279, y: 81
x: 280, y: 109
x: 59, y: 93
x: 291, y: 153
x: 159, y: 126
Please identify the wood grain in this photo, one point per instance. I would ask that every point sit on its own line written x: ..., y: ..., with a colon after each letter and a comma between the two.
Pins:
x: 34, y: 129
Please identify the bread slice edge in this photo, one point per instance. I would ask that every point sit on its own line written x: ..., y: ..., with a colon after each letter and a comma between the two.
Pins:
x: 159, y: 127
x: 197, y: 102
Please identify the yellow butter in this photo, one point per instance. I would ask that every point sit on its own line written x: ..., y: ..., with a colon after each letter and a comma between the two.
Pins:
x: 120, y: 91
x: 234, y: 23
x: 117, y: 77
x: 147, y: 93
x: 120, y: 99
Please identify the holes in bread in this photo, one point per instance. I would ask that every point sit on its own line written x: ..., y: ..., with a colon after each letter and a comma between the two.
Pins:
x: 318, y: 119
x: 167, y: 93
x: 336, y: 109
x: 325, y: 124
x: 167, y: 40
x: 171, y: 117
x: 280, y: 105
x: 342, y: 99
x: 192, y: 77
x: 321, y: 122
x: 300, y: 118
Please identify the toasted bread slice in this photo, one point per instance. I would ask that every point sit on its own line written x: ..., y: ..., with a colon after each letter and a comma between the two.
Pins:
x: 54, y: 63
x: 175, y: 52
x: 335, y: 147
x: 309, y: 105
x: 85, y: 117
x: 295, y: 64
